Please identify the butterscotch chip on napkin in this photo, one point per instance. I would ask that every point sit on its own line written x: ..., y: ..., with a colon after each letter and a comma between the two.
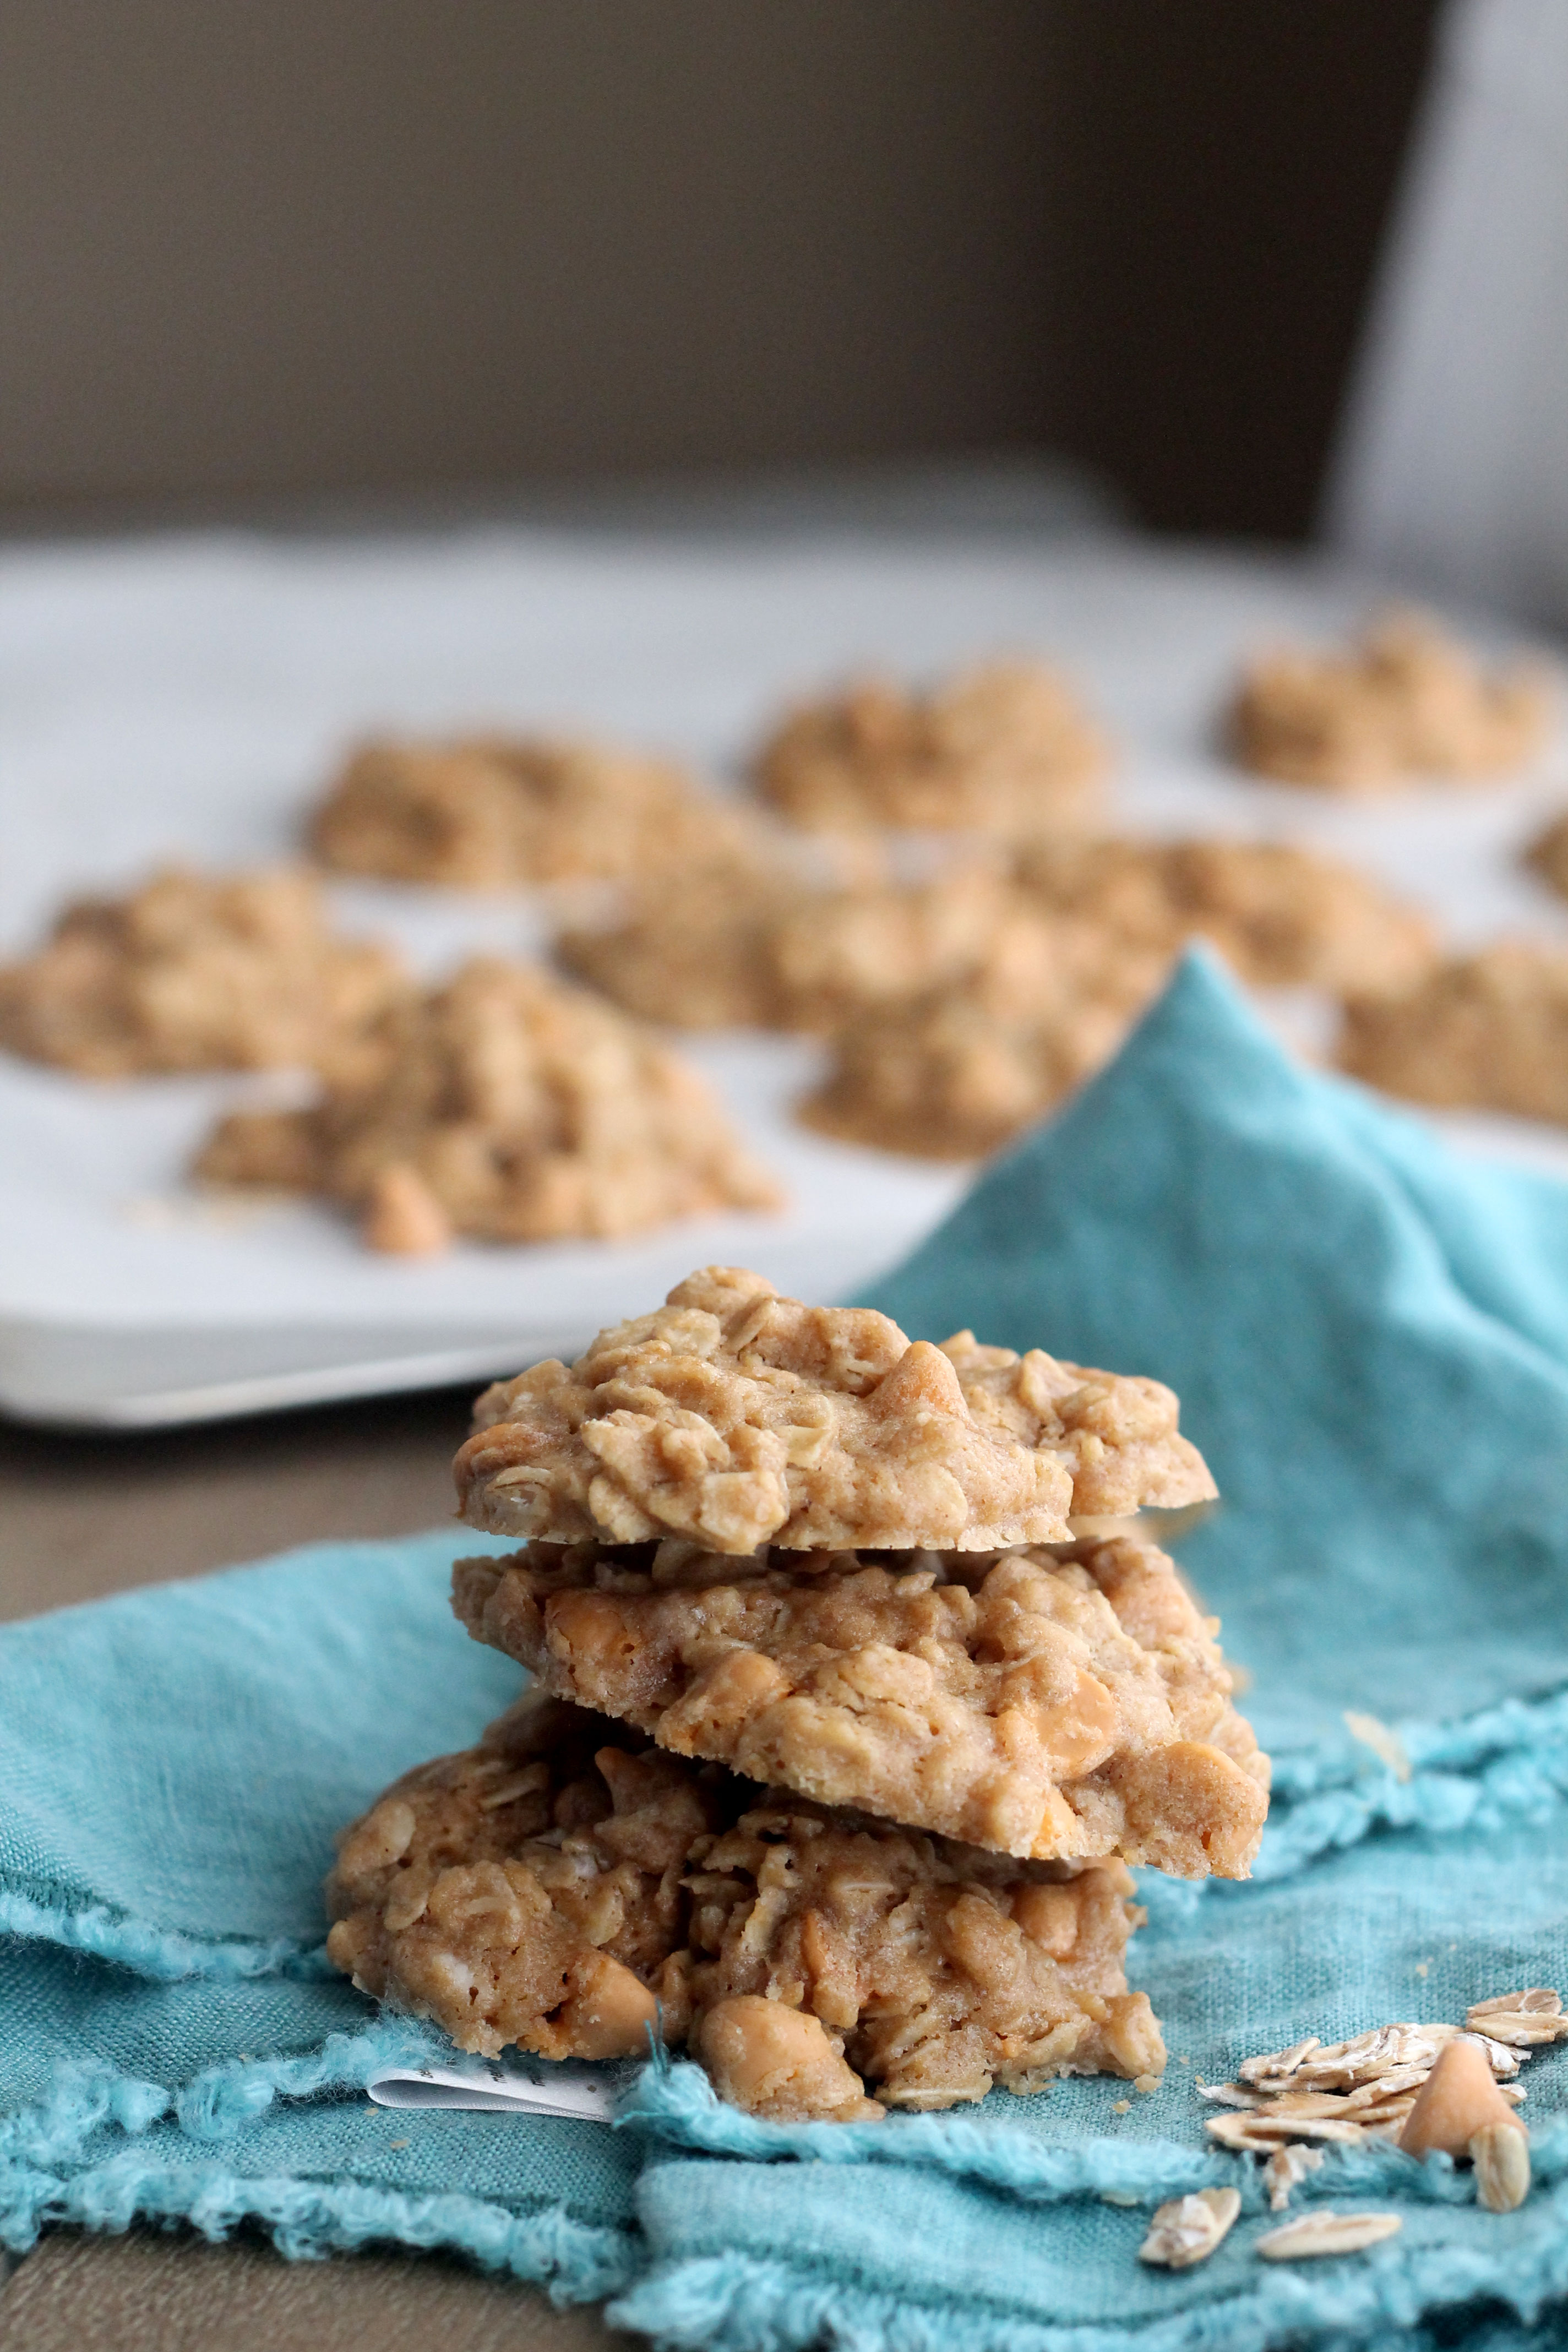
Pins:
x: 1407, y: 701
x: 488, y: 813
x: 1060, y: 1709
x: 508, y: 1106
x: 1281, y: 916
x: 1486, y: 1031
x: 1000, y: 748
x: 560, y: 1889
x: 197, y: 973
x: 734, y: 1417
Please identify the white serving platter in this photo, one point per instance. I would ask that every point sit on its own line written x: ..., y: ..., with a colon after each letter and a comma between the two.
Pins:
x: 185, y: 697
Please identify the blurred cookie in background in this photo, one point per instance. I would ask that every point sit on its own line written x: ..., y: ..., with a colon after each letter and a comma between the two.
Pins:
x: 1000, y: 748
x: 1406, y: 702
x: 197, y: 973
x: 497, y: 812
x: 507, y: 1106
x: 1483, y: 1032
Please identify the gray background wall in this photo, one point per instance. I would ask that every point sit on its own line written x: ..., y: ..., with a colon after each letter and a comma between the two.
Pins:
x: 296, y: 247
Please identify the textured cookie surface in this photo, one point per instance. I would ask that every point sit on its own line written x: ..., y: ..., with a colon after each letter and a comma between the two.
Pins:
x: 734, y: 1417
x: 1037, y: 1707
x: 197, y: 973
x: 555, y: 1890
x: 517, y: 1109
x: 1408, y: 700
x: 1004, y: 747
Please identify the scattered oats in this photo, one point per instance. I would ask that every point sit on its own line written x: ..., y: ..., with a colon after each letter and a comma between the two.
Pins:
x: 1383, y: 1742
x: 1261, y: 2131
x: 1180, y: 2061
x: 1228, y: 2095
x: 1284, y: 2168
x: 1123, y: 2196
x: 1188, y: 2229
x: 1522, y: 2020
x: 1145, y: 2083
x: 1122, y: 2106
x: 1279, y: 2062
x: 1500, y: 2154
x: 397, y: 2143
x: 1327, y: 2234
x: 1423, y: 1968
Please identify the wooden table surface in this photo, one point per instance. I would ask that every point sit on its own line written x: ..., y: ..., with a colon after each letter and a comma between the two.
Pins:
x: 80, y: 1516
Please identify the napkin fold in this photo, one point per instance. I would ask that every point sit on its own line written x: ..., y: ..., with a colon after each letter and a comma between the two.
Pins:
x: 1369, y: 1338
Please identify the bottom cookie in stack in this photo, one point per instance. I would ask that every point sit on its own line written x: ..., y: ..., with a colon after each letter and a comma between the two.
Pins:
x: 564, y: 1886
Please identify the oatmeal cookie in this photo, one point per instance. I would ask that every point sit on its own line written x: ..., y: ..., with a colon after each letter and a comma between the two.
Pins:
x: 1281, y: 916
x: 697, y: 953
x: 1407, y: 701
x: 1548, y: 854
x: 997, y: 749
x: 733, y: 949
x: 956, y: 1073
x: 508, y: 1106
x: 1045, y: 1707
x: 527, y: 1891
x: 735, y: 1418
x: 1484, y: 1032
x: 192, y: 972
x: 562, y: 1888
x: 490, y: 812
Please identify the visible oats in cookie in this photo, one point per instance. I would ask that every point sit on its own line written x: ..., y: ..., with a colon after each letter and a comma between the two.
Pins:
x: 527, y: 1891
x: 734, y: 1417
x: 488, y: 813
x: 1281, y: 916
x: 197, y: 973
x: 960, y: 1072
x: 1001, y: 749
x: 562, y: 1888
x: 508, y: 1106
x: 1407, y: 701
x: 1040, y: 1707
x: 1484, y: 1032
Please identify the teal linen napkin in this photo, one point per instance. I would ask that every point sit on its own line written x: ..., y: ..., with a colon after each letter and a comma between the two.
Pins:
x: 1370, y: 1337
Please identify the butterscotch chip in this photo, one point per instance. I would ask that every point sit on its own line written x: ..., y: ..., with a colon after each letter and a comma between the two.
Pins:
x: 1000, y: 748
x: 734, y: 1417
x: 1407, y: 701
x: 1484, y: 1032
x: 1281, y: 916
x: 1458, y: 2098
x: 490, y: 813
x: 550, y: 1887
x: 190, y: 972
x: 1037, y: 1707
x: 516, y: 1107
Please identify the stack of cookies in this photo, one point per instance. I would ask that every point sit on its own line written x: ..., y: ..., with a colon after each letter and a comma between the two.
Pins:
x: 850, y: 1708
